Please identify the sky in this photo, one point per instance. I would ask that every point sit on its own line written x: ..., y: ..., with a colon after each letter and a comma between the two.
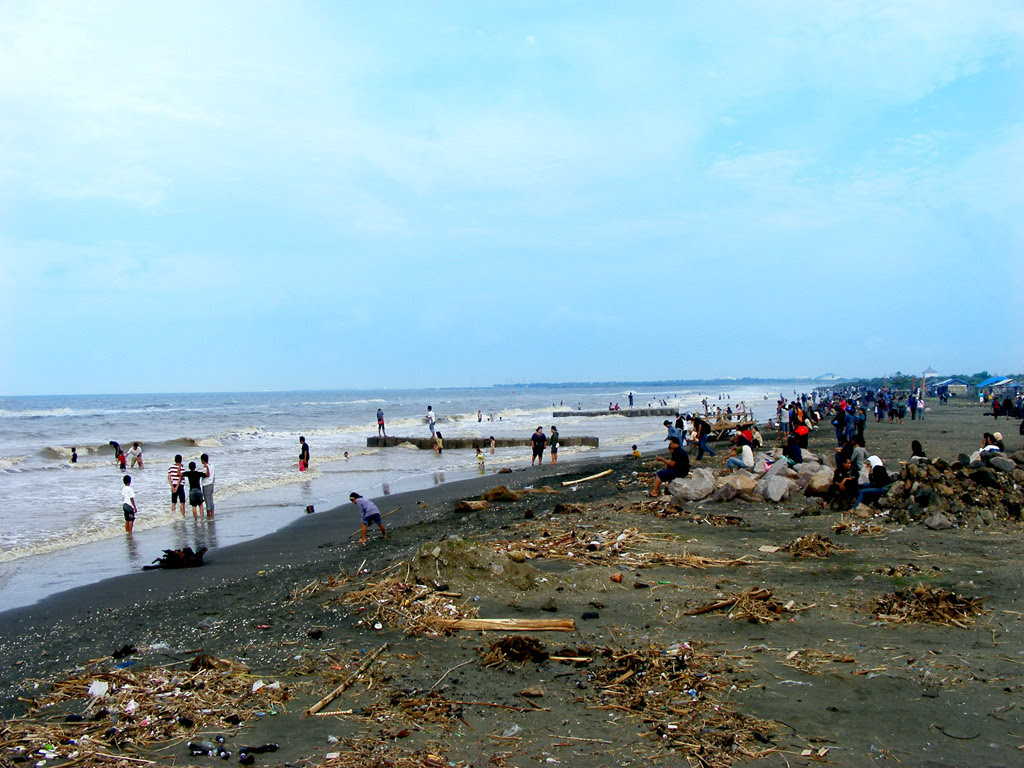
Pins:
x: 256, y: 195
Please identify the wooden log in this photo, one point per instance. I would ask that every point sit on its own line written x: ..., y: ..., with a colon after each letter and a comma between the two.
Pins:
x: 348, y: 681
x: 356, y: 533
x: 512, y: 625
x: 588, y: 479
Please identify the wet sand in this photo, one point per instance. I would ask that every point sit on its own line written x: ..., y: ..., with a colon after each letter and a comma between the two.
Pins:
x: 829, y: 676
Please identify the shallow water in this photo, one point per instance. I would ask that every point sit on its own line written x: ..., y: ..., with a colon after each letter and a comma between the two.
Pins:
x: 61, y: 525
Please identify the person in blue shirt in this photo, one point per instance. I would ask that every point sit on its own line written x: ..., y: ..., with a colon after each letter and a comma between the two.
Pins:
x: 369, y: 515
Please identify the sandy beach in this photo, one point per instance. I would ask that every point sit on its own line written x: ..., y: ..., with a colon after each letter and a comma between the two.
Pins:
x: 648, y: 675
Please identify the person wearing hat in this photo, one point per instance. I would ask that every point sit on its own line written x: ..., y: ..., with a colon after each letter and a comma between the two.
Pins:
x: 676, y: 465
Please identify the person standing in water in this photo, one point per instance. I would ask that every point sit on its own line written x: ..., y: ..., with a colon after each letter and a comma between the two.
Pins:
x: 303, y: 454
x: 207, y: 483
x: 128, y: 504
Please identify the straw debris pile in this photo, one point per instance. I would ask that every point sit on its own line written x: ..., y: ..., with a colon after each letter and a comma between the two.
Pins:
x: 678, y: 691
x: 930, y: 605
x: 417, y: 609
x: 754, y: 605
x: 813, y: 545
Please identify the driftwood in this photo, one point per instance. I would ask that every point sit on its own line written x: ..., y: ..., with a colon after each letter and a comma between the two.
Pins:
x: 389, y: 514
x: 511, y: 625
x: 348, y: 681
x: 472, y: 506
x: 178, y: 558
x: 587, y: 479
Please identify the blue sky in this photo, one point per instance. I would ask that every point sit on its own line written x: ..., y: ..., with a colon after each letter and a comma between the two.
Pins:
x: 289, y: 195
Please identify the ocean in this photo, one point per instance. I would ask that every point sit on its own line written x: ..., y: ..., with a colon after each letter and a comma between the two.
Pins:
x: 61, y: 523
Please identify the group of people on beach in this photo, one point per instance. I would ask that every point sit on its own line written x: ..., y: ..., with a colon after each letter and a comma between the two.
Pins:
x: 200, y: 482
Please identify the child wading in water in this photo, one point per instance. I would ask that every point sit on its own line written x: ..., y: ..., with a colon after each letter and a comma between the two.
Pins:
x: 369, y: 513
x: 128, y: 504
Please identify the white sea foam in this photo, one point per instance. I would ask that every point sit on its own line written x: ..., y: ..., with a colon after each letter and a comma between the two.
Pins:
x: 9, y: 462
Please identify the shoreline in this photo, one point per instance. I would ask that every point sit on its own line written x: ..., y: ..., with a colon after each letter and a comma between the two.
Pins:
x: 831, y: 676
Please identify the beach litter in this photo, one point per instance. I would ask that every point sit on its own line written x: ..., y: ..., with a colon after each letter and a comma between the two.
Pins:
x: 930, y: 605
x: 86, y: 716
x: 678, y: 693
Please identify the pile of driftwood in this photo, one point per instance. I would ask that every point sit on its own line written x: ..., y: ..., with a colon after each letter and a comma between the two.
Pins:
x: 899, y: 571
x: 931, y: 605
x: 374, y: 753
x: 856, y: 528
x: 813, y: 545
x: 753, y: 605
x: 628, y: 547
x: 417, y: 609
x: 678, y: 692
x: 84, y: 717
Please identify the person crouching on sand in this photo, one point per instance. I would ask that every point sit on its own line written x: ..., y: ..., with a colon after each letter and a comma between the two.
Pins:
x: 369, y: 515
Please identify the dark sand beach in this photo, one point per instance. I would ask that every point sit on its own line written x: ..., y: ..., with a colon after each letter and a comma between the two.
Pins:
x: 819, y: 678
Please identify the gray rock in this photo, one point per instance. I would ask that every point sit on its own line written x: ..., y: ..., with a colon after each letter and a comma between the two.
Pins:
x: 938, y: 522
x: 1002, y: 463
x: 699, y: 484
x: 777, y: 488
x: 985, y: 476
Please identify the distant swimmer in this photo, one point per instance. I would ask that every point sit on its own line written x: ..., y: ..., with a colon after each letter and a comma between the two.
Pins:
x: 369, y: 514
x: 128, y: 504
x: 493, y: 442
x: 303, y: 454
x: 135, y: 455
x: 381, y: 432
x: 74, y: 455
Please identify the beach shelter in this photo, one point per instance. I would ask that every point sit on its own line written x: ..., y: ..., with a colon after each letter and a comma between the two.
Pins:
x: 990, y: 381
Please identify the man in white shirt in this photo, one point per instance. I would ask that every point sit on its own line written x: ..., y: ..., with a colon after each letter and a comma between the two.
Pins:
x: 207, y: 484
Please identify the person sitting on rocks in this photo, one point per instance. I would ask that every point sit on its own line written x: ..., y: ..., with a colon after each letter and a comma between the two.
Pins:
x: 917, y: 454
x: 878, y: 483
x: 743, y: 458
x: 676, y: 465
x: 792, y: 450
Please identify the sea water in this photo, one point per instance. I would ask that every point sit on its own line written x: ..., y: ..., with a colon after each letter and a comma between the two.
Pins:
x: 61, y: 523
